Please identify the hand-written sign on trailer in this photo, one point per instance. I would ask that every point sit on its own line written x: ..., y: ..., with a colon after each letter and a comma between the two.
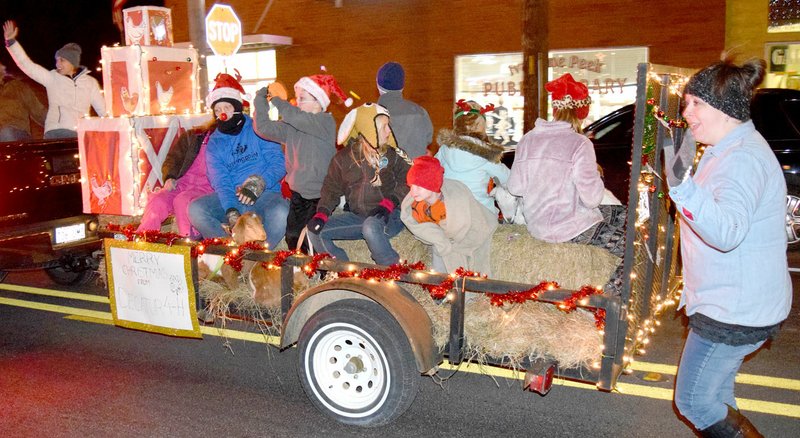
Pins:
x: 151, y: 288
x: 223, y: 30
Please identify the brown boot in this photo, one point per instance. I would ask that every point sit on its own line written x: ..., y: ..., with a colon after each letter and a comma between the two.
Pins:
x: 735, y: 425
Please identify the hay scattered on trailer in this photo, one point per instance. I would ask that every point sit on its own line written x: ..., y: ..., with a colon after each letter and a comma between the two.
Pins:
x: 512, y: 333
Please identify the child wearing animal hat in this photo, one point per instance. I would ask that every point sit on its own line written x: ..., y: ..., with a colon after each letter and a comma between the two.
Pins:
x: 309, y: 133
x: 443, y: 213
x: 370, y: 172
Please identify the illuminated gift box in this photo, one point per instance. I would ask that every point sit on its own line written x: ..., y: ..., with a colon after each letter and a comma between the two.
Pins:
x: 121, y: 159
x: 140, y: 80
x: 148, y: 26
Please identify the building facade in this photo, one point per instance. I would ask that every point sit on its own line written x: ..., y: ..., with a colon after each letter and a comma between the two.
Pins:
x: 353, y: 38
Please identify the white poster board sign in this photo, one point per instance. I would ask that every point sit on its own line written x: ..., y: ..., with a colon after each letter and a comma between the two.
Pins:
x: 150, y: 287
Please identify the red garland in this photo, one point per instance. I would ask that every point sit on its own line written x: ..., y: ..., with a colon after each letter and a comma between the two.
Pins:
x: 600, y: 318
x: 311, y: 268
x: 200, y: 248
x: 279, y: 259
x: 392, y: 272
x: 439, y: 291
x: 234, y: 259
x: 522, y: 296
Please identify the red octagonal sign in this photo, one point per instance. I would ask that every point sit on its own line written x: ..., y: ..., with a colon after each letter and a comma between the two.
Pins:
x: 223, y: 30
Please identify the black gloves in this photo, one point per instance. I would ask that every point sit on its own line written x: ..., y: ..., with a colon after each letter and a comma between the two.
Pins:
x: 383, y: 210
x: 317, y: 222
x: 251, y: 189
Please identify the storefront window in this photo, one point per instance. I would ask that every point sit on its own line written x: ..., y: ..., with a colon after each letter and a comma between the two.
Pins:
x: 783, y: 65
x: 496, y: 78
x: 257, y: 68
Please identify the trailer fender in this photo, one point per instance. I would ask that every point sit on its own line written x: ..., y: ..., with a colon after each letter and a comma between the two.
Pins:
x: 412, y: 318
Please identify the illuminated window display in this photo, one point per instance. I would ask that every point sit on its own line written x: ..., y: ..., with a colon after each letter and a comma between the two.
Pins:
x: 496, y: 78
x: 783, y: 66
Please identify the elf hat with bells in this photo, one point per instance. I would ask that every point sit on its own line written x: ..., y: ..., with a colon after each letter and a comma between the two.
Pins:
x: 362, y: 121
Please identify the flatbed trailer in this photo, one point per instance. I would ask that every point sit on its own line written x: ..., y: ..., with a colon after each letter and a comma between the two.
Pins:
x: 363, y: 344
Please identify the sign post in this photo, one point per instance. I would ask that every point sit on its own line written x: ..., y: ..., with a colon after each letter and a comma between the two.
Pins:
x: 223, y: 30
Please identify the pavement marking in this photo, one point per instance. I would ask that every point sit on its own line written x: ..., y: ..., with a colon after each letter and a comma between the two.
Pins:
x: 766, y: 407
x: 745, y: 379
x: 55, y: 308
x: 55, y: 293
x: 100, y: 317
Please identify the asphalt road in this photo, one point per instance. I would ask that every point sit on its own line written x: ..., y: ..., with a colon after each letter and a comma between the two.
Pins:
x: 67, y: 375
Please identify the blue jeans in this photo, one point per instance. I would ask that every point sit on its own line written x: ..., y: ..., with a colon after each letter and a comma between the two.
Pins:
x: 10, y: 133
x: 704, y: 385
x: 206, y: 215
x: 60, y: 133
x: 350, y: 226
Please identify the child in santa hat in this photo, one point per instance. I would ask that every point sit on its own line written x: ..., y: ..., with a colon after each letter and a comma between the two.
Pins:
x: 309, y: 133
x: 370, y: 172
x: 443, y: 213
x: 244, y: 169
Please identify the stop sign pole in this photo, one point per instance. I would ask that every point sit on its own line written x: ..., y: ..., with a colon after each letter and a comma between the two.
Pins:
x: 223, y: 30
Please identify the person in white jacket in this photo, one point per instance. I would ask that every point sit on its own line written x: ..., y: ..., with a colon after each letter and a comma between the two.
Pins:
x: 71, y: 91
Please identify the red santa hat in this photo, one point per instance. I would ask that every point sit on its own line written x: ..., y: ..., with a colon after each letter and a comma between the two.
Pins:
x: 321, y: 86
x: 426, y: 172
x: 227, y: 88
x: 568, y: 93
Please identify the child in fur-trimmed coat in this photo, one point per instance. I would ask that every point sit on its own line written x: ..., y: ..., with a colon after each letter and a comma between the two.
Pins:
x: 444, y: 214
x: 467, y: 154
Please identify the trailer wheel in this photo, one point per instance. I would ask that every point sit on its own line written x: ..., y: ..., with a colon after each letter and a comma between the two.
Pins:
x: 356, y: 364
x: 66, y: 277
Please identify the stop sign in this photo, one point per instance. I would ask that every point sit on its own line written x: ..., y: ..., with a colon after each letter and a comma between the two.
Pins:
x: 223, y: 30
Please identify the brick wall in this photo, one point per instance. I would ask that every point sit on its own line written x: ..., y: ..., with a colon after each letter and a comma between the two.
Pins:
x: 425, y: 35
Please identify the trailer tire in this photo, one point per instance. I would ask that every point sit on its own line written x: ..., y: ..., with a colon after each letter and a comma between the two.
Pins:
x: 356, y: 364
x: 66, y: 277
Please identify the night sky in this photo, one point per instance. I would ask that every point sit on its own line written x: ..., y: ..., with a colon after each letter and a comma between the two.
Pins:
x: 46, y: 25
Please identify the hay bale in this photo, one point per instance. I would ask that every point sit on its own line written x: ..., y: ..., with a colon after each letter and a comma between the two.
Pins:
x: 514, y: 332
x: 517, y: 257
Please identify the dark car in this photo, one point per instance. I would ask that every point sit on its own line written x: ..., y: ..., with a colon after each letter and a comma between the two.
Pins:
x: 775, y: 113
x: 42, y: 225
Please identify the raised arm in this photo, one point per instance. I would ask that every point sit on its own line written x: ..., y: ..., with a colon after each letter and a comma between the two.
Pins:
x: 30, y: 68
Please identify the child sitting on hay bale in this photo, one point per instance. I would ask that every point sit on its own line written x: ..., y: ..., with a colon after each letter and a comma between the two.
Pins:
x: 370, y: 172
x: 467, y: 154
x: 555, y: 171
x: 444, y: 214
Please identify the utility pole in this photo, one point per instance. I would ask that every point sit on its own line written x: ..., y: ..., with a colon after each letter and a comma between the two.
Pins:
x: 535, y: 53
x: 197, y: 35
